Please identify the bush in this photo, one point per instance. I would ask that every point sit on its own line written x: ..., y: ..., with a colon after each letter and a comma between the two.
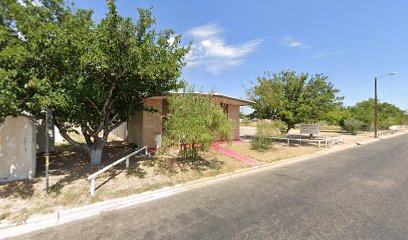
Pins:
x: 194, y: 121
x: 261, y: 143
x: 246, y: 122
x: 264, y: 131
x: 353, y: 125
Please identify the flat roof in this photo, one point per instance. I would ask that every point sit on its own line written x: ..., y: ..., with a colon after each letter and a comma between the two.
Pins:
x: 238, y: 101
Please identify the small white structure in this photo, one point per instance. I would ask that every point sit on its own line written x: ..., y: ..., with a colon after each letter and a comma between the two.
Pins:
x: 17, y: 149
x: 310, y: 129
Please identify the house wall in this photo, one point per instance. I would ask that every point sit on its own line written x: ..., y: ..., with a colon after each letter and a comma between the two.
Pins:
x: 17, y: 149
x: 233, y: 113
x: 143, y: 131
x: 152, y: 123
x: 135, y: 129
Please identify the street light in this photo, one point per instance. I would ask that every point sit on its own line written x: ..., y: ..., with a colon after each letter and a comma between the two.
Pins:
x: 376, y: 102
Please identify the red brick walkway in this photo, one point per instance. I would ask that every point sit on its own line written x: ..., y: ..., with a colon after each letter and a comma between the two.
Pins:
x: 216, y: 146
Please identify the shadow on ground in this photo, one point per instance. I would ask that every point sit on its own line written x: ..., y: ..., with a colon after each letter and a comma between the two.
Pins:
x: 68, y: 164
x: 177, y: 164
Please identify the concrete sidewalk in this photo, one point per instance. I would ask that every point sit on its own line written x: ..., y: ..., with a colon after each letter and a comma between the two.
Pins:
x: 64, y: 216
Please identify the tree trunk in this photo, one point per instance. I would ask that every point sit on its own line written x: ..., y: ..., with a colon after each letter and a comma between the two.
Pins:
x: 95, y: 153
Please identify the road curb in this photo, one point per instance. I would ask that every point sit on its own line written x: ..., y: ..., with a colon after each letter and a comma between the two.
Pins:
x: 69, y: 215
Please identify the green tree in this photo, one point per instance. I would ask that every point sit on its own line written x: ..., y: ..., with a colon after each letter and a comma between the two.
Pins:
x: 293, y: 98
x: 93, y: 75
x: 338, y: 115
x: 17, y: 77
x: 353, y: 125
x: 195, y: 121
x: 265, y: 130
x: 388, y: 114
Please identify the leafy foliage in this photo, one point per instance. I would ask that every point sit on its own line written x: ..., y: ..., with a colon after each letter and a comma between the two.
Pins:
x: 93, y: 75
x: 266, y: 130
x: 194, y: 121
x: 337, y: 116
x: 388, y: 114
x: 293, y: 98
x: 16, y: 88
x: 246, y: 121
x: 353, y: 125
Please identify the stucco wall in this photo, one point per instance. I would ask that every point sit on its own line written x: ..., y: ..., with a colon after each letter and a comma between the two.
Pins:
x: 233, y: 113
x: 17, y: 149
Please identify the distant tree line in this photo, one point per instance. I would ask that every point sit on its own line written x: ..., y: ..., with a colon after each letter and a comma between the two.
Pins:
x: 304, y: 98
x: 360, y: 117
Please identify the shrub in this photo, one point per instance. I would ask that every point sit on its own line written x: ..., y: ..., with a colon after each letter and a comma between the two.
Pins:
x: 264, y: 131
x: 194, y: 122
x: 353, y: 125
x: 246, y: 121
x: 261, y: 143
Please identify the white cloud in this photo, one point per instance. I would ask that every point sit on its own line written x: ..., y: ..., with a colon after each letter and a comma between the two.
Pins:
x: 212, y: 51
x: 289, y: 41
x: 205, y: 31
x: 327, y: 53
x: 171, y: 40
x: 34, y: 2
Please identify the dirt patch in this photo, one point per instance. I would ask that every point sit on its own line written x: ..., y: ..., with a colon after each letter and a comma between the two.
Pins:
x: 69, y: 188
x: 278, y: 151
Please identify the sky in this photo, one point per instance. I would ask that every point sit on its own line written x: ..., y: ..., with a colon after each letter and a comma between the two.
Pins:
x: 234, y: 41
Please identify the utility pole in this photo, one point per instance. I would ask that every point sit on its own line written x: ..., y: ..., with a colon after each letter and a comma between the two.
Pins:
x: 375, y: 108
x: 48, y: 123
x: 376, y: 102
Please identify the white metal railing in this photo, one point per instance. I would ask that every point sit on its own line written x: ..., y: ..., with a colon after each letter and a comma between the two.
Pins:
x: 333, y: 140
x: 326, y: 141
x: 91, y: 178
x: 384, y: 132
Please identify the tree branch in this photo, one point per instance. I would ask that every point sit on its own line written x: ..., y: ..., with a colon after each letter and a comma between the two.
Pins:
x: 114, y: 126
x: 89, y: 130
x: 64, y: 133
x: 113, y: 119
x: 119, y: 74
x: 92, y: 103
x: 108, y: 104
x: 86, y: 134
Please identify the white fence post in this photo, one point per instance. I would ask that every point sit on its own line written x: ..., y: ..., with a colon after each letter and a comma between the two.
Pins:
x: 92, y: 187
x: 127, y: 162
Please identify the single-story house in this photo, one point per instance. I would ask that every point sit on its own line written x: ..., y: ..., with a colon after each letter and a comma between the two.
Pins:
x: 145, y: 128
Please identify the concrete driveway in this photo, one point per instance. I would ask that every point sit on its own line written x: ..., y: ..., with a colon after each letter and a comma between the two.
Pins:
x: 361, y: 193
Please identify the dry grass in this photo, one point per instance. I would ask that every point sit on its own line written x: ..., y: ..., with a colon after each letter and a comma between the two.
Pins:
x: 277, y: 152
x: 69, y: 187
x: 78, y: 137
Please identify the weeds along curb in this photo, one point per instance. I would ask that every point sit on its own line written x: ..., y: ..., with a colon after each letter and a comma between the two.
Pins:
x: 36, y: 223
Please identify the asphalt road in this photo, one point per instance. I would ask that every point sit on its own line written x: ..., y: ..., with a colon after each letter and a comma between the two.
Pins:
x: 361, y: 193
